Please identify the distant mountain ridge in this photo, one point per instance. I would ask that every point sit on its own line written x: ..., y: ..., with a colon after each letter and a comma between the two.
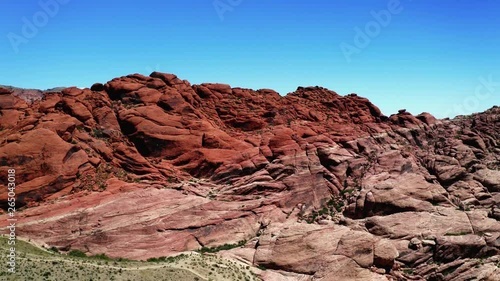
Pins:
x: 30, y: 95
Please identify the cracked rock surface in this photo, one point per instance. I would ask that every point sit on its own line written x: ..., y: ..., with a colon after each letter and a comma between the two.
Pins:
x: 318, y: 186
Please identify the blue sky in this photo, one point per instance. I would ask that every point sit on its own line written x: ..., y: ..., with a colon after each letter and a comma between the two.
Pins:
x: 427, y: 55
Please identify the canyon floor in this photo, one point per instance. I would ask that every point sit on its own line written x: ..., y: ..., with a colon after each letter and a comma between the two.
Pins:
x: 35, y: 263
x: 307, y: 186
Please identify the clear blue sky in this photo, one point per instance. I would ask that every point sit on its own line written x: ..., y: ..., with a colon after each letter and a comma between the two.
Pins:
x: 428, y: 57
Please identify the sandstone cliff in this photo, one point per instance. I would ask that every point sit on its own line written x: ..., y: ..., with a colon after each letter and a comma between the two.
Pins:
x: 320, y: 186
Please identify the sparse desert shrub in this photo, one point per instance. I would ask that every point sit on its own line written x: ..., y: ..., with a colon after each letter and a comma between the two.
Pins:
x: 98, y: 133
x: 77, y: 253
x: 101, y: 257
x: 54, y: 249
x: 222, y: 247
x: 456, y: 234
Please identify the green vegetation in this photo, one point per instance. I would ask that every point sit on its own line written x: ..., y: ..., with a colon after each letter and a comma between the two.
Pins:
x: 459, y: 134
x: 168, y: 259
x: 224, y: 247
x: 98, y: 133
x: 456, y: 234
x: 450, y: 270
x: 77, y: 253
x: 333, y: 206
x: 39, y: 264
x: 97, y: 181
x: 101, y: 257
x: 336, y: 203
x: 261, y: 267
x: 54, y: 249
x: 408, y: 271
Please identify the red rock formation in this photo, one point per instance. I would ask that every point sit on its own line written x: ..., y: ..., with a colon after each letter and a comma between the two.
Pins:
x: 143, y: 167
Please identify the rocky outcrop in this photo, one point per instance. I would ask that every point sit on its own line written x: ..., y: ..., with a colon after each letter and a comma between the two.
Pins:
x: 317, y: 186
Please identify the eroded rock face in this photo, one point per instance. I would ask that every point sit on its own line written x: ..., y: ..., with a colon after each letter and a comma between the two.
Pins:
x: 320, y: 186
